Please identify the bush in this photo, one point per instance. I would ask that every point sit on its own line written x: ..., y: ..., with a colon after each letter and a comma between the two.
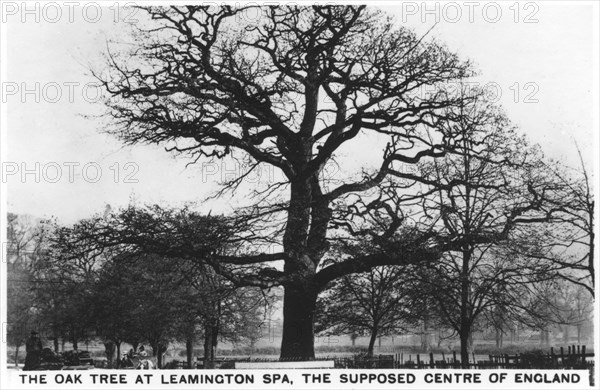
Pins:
x: 509, y: 349
x: 340, y: 348
x: 249, y: 351
x: 98, y: 354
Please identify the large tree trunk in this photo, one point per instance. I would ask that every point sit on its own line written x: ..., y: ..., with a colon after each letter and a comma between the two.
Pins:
x: 189, y: 352
x: 425, y: 339
x: 372, y: 341
x: 464, y: 348
x: 55, y: 335
x: 304, y: 243
x: 207, y: 346
x: 74, y: 338
x: 162, y: 350
x: 465, y: 323
x: 499, y: 337
x: 157, y: 351
x: 211, y: 333
x: 592, y: 243
x: 109, y: 351
x: 215, y: 339
x: 17, y: 355
x: 118, y: 354
x: 298, y: 316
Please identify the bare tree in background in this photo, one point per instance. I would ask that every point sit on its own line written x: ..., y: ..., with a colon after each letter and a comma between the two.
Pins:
x: 491, y: 186
x: 27, y: 243
x: 571, y: 241
x: 375, y: 303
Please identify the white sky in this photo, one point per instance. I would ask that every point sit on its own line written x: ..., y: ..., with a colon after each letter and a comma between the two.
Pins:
x: 555, y: 55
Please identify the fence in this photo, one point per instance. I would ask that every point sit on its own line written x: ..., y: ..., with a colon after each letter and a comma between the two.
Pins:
x: 229, y: 362
x: 574, y: 357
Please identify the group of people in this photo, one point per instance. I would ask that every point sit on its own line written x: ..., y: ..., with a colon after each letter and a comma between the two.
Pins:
x: 33, y: 348
x: 136, y: 360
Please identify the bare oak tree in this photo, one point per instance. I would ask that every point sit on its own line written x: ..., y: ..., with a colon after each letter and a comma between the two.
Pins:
x: 289, y: 90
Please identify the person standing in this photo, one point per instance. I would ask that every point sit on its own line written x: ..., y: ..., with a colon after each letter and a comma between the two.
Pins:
x: 33, y: 347
x: 145, y: 363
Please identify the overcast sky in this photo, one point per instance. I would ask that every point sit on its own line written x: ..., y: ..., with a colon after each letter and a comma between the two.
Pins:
x: 544, y: 70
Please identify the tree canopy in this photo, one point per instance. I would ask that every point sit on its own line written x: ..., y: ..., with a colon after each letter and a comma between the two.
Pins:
x: 293, y: 89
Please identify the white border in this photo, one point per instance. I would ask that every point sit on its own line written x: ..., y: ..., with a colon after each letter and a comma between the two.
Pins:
x: 7, y: 377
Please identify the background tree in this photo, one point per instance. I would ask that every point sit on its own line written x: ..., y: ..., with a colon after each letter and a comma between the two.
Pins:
x: 151, y: 273
x: 26, y: 239
x: 573, y: 308
x: 112, y: 308
x: 570, y: 241
x: 580, y: 304
x: 245, y: 312
x: 490, y: 186
x: 65, y: 280
x: 26, y: 245
x: 498, y: 318
x: 224, y: 311
x: 375, y: 303
x: 21, y: 313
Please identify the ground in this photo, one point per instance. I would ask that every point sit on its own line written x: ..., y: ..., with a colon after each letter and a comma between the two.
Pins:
x: 268, y: 348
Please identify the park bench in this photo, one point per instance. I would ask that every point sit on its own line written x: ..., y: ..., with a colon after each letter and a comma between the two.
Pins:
x: 284, y: 365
